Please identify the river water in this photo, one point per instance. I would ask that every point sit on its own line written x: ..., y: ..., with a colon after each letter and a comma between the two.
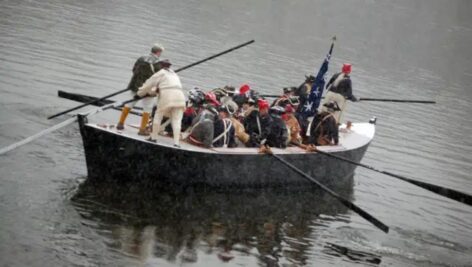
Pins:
x: 399, y: 49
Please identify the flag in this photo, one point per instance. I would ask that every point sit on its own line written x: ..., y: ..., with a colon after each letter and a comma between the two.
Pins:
x: 314, y: 98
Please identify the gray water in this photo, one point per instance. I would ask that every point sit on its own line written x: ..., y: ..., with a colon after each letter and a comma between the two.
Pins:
x: 399, y: 49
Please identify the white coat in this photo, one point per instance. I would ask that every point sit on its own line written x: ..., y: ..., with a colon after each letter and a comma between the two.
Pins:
x: 169, y: 88
x: 170, y: 102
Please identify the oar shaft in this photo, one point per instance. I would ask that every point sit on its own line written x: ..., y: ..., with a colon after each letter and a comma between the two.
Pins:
x: 377, y: 99
x: 397, y: 100
x: 59, y: 126
x: 443, y: 191
x: 217, y: 55
x: 36, y: 136
x: 344, y: 201
x: 124, y: 90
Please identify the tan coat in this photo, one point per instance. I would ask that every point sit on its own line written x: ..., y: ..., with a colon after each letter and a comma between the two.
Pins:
x: 239, y: 131
x: 167, y: 85
x: 294, y: 129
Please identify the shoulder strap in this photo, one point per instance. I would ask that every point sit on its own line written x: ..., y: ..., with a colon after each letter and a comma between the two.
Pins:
x: 152, y: 67
x: 324, y: 118
x: 227, y: 127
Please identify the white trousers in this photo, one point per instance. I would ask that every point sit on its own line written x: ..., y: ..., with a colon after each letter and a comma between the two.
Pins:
x: 175, y: 116
x: 148, y: 103
x: 340, y: 100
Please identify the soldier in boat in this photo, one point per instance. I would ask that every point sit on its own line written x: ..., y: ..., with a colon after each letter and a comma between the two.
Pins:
x: 143, y: 68
x: 293, y: 126
x: 201, y: 132
x: 339, y: 89
x: 171, y: 101
x: 258, y: 124
x: 242, y: 95
x: 278, y: 134
x: 247, y: 108
x: 324, y: 127
x: 303, y: 91
x: 245, y: 93
x: 210, y: 99
x: 224, y: 130
x: 284, y: 99
x: 196, y: 99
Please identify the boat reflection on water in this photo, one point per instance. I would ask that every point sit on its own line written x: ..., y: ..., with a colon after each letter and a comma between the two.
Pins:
x: 270, y: 226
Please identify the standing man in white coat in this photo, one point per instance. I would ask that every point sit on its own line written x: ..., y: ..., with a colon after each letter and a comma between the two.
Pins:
x: 171, y: 99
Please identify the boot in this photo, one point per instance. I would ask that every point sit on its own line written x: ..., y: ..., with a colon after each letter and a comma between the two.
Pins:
x: 124, y: 114
x: 144, y: 122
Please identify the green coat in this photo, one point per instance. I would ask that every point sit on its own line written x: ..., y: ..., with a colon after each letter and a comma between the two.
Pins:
x: 143, y: 68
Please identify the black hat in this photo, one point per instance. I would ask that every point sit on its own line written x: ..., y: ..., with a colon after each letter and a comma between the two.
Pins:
x: 165, y: 63
x: 333, y: 105
x: 310, y: 78
x: 288, y: 90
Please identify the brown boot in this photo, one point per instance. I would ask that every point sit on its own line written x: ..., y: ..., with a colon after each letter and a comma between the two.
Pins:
x: 124, y: 114
x: 143, y: 130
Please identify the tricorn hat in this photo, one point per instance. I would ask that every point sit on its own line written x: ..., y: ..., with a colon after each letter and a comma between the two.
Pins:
x: 310, y: 78
x: 165, y: 63
x: 287, y: 90
x: 332, y: 105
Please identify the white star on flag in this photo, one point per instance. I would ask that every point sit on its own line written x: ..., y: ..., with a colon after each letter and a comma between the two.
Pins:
x: 308, y: 105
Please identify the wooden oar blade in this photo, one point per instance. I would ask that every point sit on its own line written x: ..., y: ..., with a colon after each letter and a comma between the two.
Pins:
x: 83, y: 98
x: 443, y: 191
x: 440, y: 190
x: 87, y: 98
x: 86, y: 104
x: 344, y: 201
x: 365, y: 215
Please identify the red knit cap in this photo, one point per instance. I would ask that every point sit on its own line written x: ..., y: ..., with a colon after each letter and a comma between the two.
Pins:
x: 262, y: 103
x: 211, y: 98
x: 244, y: 89
x: 346, y: 68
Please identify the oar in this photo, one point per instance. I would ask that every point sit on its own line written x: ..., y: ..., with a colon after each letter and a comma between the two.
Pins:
x: 344, y: 201
x: 86, y: 98
x: 397, y: 100
x: 124, y: 90
x: 59, y: 126
x: 377, y: 99
x: 443, y: 191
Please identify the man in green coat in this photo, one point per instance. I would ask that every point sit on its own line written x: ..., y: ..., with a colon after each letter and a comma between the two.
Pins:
x: 143, y: 68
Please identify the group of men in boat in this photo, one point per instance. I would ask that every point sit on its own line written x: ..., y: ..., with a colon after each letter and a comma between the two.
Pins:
x: 230, y: 117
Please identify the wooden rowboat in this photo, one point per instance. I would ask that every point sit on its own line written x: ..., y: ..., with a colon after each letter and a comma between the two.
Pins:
x: 124, y: 156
